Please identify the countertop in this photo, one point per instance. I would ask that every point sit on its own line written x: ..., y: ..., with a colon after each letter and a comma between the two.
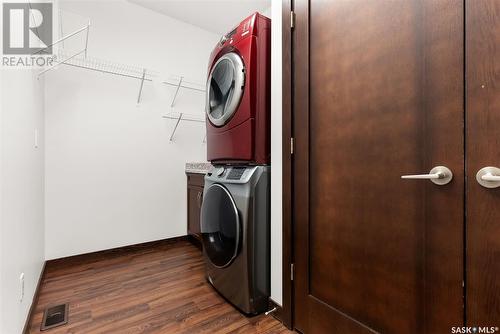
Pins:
x: 198, y: 167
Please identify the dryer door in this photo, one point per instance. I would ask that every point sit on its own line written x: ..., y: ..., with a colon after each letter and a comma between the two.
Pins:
x: 220, y: 226
x: 225, y: 88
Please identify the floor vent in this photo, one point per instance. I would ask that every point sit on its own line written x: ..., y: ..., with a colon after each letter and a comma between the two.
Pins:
x: 55, y: 316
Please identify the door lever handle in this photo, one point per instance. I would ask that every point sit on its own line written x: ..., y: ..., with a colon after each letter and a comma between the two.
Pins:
x: 439, y: 175
x: 489, y: 177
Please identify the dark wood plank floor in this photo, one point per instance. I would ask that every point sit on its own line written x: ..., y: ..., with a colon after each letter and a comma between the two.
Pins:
x: 160, y: 289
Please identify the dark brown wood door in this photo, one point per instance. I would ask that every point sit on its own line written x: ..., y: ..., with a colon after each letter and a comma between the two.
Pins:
x: 378, y: 93
x: 483, y: 150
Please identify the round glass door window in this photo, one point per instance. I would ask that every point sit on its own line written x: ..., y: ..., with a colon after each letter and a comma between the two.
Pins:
x: 220, y: 226
x: 225, y: 88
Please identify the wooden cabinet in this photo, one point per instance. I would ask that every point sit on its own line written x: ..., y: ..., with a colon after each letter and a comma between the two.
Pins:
x: 195, y: 184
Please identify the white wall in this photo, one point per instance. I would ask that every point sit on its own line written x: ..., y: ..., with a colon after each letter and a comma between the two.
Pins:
x: 22, y: 205
x: 112, y: 177
x: 1, y: 202
x: 276, y: 151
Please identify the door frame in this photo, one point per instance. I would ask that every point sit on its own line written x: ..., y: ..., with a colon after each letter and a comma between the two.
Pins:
x: 289, y: 36
x: 286, y: 313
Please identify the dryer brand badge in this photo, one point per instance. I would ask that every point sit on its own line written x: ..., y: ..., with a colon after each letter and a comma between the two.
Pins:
x: 246, y: 27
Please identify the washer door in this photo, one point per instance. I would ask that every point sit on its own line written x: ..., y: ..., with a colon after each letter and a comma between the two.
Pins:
x: 220, y: 226
x: 225, y: 88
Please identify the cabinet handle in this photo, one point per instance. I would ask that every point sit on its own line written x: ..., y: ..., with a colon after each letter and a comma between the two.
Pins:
x: 200, y: 195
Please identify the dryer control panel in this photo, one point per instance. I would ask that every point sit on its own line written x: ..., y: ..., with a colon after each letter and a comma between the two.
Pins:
x: 250, y: 26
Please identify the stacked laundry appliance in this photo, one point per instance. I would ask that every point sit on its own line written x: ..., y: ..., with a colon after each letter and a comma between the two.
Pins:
x: 235, y: 214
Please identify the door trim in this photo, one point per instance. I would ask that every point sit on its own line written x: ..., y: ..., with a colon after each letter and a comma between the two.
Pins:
x: 290, y: 102
x: 299, y: 51
x: 287, y: 165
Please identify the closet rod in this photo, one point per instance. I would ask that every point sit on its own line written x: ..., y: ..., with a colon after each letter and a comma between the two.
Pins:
x: 184, y: 119
x: 133, y: 76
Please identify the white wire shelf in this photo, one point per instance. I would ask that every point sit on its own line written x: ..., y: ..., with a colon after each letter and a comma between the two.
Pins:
x: 130, y: 71
x: 125, y: 70
x: 80, y: 59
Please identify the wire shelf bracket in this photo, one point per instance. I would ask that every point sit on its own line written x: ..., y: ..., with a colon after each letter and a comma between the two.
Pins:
x: 176, y: 92
x: 175, y: 128
x: 142, y: 85
x: 87, y: 39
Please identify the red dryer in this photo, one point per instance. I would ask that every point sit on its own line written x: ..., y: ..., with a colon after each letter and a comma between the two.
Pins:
x: 238, y: 105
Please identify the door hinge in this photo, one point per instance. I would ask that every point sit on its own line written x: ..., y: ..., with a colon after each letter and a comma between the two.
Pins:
x: 292, y: 19
x: 292, y: 269
x: 291, y: 145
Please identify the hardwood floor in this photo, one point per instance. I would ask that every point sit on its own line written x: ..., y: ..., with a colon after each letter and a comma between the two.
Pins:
x: 160, y: 289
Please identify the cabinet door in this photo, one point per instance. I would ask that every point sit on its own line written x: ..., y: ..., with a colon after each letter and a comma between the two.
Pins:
x: 378, y: 94
x: 195, y: 197
x: 483, y: 150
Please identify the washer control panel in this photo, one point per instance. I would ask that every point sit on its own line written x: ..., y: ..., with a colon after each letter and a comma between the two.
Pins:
x: 232, y: 174
x: 236, y: 173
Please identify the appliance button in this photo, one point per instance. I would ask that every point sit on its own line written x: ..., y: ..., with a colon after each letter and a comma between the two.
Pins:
x: 220, y: 171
